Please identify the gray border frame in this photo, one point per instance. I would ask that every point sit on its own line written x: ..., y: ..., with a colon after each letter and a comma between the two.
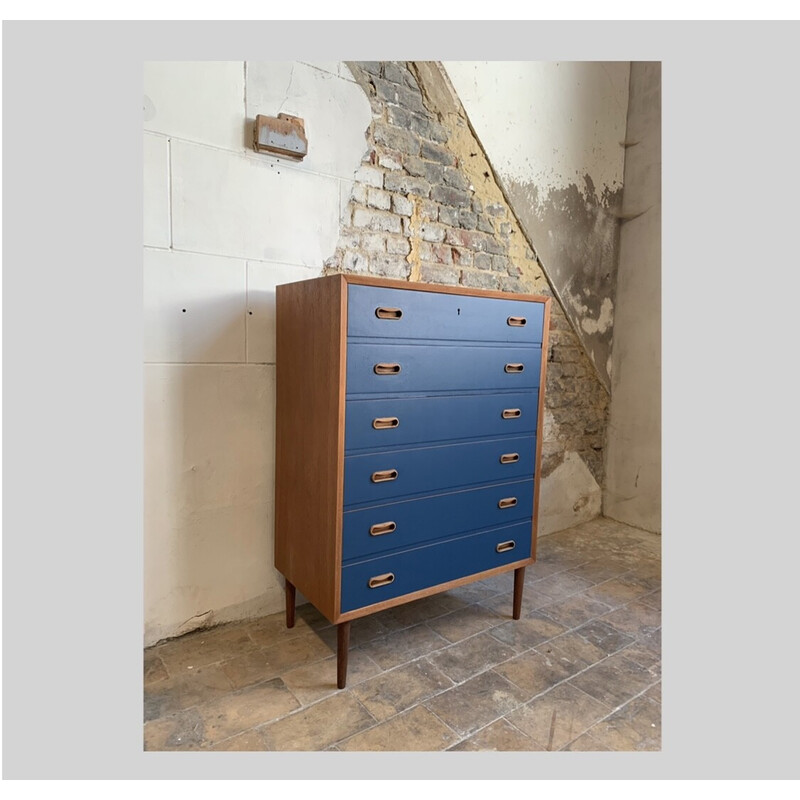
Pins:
x: 72, y: 359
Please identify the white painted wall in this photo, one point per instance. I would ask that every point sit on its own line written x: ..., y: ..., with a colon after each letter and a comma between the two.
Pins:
x: 633, y: 452
x: 547, y: 122
x: 223, y: 226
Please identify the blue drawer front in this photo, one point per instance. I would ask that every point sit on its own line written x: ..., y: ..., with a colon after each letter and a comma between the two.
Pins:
x: 432, y: 315
x: 423, y: 567
x: 436, y: 419
x: 431, y: 469
x: 414, y: 522
x: 426, y: 368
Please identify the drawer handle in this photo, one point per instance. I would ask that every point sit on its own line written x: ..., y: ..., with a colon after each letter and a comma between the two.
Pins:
x: 387, y: 369
x: 381, y: 580
x: 390, y: 313
x: 507, y: 502
x: 511, y: 413
x: 509, y: 458
x: 386, y: 475
x: 515, y: 367
x: 517, y: 322
x: 504, y: 547
x: 382, y: 527
x: 379, y: 423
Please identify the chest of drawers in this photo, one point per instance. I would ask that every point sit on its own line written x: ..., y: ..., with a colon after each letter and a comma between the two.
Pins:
x: 408, y: 423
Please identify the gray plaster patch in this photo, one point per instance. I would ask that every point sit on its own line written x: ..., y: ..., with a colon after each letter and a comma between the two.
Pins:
x: 576, y: 234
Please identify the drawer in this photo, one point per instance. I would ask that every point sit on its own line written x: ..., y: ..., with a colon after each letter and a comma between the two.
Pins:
x: 378, y: 477
x: 387, y: 368
x: 378, y: 529
x: 422, y: 567
x: 393, y: 422
x: 408, y: 314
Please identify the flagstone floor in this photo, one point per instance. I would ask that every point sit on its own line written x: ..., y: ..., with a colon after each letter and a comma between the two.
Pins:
x: 580, y: 671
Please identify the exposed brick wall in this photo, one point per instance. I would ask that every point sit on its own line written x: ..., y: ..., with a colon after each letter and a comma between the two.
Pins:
x: 425, y: 207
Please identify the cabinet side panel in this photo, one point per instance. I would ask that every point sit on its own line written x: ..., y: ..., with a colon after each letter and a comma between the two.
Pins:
x: 542, y: 383
x: 308, y: 468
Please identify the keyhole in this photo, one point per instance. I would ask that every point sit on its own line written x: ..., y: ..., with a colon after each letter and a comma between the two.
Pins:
x: 459, y: 312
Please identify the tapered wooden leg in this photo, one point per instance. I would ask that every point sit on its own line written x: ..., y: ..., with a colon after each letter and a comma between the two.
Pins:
x: 519, y: 582
x: 343, y: 643
x: 290, y: 594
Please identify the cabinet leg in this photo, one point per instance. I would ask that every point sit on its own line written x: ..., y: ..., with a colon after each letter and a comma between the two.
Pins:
x: 519, y: 583
x: 290, y: 595
x: 343, y: 643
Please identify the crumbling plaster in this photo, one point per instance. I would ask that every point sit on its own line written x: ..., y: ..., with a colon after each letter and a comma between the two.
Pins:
x: 554, y: 133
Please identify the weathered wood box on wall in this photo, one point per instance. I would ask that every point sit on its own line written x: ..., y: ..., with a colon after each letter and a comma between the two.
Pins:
x: 407, y: 441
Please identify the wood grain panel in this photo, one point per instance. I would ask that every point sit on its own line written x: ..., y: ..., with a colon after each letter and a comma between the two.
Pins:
x: 540, y: 427
x: 367, y: 280
x: 309, y: 453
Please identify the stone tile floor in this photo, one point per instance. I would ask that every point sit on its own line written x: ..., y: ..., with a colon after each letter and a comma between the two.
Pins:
x: 581, y: 670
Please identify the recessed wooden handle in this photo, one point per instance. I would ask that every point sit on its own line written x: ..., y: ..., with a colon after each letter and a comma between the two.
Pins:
x: 387, y: 369
x: 507, y: 502
x: 511, y: 413
x: 379, y: 423
x: 382, y: 527
x: 517, y: 322
x: 509, y: 458
x: 515, y: 367
x: 386, y: 475
x: 388, y: 313
x: 381, y: 580
x: 504, y: 547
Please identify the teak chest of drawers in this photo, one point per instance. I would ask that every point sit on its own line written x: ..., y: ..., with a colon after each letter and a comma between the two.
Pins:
x: 407, y: 441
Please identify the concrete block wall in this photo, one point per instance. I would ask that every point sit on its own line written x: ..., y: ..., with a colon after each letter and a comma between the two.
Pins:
x: 223, y: 226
